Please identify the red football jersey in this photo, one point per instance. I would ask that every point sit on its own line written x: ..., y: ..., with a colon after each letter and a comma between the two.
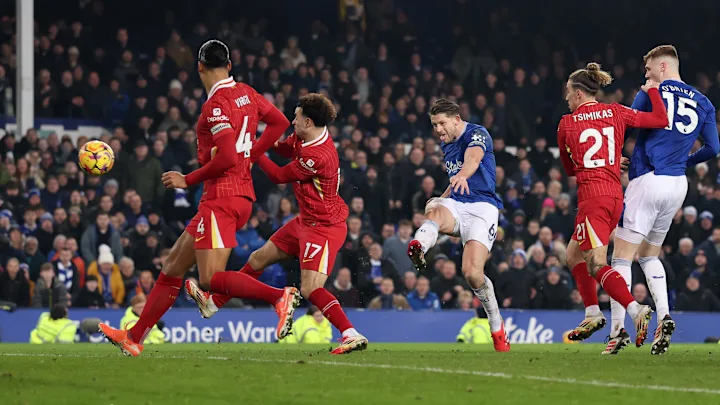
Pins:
x: 238, y: 107
x: 591, y: 141
x: 317, y: 162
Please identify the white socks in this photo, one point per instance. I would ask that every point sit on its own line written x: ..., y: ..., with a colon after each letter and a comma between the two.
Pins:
x: 486, y: 294
x: 427, y: 234
x: 350, y: 332
x: 617, y: 311
x: 657, y: 284
x: 592, y: 310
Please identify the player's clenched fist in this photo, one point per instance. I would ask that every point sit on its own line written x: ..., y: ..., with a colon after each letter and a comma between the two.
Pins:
x: 174, y: 180
x: 650, y: 84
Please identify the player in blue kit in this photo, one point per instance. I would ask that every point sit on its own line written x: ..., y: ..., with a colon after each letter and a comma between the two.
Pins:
x: 658, y: 186
x: 469, y: 207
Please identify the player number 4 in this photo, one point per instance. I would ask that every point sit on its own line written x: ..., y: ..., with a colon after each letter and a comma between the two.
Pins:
x: 244, y: 142
x: 683, y: 111
x: 315, y: 250
x: 597, y: 139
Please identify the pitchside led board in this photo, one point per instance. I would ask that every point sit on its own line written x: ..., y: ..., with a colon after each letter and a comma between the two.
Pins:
x: 258, y: 326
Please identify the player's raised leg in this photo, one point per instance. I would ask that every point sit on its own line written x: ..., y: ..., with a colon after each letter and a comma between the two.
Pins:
x: 439, y: 219
x: 161, y: 298
x: 243, y: 285
x: 586, y: 285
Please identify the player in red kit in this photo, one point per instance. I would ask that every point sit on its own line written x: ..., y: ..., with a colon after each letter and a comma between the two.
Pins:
x: 226, y: 131
x: 316, y: 235
x: 591, y: 140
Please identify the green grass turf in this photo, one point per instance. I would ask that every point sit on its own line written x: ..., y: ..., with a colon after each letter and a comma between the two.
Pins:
x: 398, y: 374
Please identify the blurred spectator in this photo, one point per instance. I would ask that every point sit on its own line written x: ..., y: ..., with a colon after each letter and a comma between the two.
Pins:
x: 422, y: 298
x: 514, y: 287
x: 49, y: 290
x: 89, y: 296
x: 387, y: 298
x: 110, y: 280
x: 344, y: 291
x: 696, y: 298
x: 395, y: 248
x: 98, y: 234
x: 553, y: 292
x: 14, y: 284
x: 372, y: 272
x: 447, y: 285
x: 67, y: 273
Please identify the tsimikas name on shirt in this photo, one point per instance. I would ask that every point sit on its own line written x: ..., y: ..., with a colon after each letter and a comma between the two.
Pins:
x: 670, y: 87
x: 593, y: 115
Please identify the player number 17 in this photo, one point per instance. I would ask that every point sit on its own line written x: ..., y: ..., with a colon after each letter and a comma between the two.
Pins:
x: 597, y: 139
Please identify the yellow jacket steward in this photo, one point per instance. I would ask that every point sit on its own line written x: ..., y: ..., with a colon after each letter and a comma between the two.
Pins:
x: 306, y: 330
x: 154, y: 337
x: 476, y: 330
x: 53, y: 330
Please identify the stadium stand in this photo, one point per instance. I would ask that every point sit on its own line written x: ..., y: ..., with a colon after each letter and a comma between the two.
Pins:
x: 129, y: 68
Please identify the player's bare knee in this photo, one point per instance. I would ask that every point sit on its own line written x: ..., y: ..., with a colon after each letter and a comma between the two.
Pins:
x: 307, y: 289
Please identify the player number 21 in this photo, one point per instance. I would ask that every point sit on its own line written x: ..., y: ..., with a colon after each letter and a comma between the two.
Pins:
x: 244, y: 143
x: 597, y: 139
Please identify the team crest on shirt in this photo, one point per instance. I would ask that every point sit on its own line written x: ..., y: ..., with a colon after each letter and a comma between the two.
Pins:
x: 477, y: 138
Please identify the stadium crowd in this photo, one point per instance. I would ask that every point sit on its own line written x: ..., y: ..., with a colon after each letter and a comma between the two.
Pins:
x: 99, y: 241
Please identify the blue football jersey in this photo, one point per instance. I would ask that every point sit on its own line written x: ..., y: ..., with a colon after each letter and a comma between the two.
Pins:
x: 665, y: 151
x: 482, y: 182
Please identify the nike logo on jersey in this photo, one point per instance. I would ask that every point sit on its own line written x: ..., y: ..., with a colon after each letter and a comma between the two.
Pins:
x: 199, y: 239
x: 307, y: 260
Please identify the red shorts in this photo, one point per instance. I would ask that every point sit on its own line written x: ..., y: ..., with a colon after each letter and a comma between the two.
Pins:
x: 595, y: 220
x: 217, y: 220
x: 315, y: 246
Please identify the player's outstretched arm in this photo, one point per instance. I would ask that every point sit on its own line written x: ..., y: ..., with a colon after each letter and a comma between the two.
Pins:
x: 285, y: 148
x: 286, y: 174
x: 711, y: 146
x: 225, y: 158
x: 656, y: 118
x: 564, y: 155
x: 276, y: 122
x: 473, y: 157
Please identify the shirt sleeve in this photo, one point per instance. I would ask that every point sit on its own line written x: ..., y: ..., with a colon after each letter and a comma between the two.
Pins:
x: 217, y: 116
x: 286, y: 147
x: 300, y: 169
x: 478, y: 138
x: 641, y: 101
x: 711, y: 145
x: 563, y: 149
x: 657, y: 118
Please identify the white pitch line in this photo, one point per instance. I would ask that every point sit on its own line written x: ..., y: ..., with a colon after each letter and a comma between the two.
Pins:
x: 597, y: 383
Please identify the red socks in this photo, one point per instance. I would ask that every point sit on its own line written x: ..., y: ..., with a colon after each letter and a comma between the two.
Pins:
x: 331, y: 309
x: 247, y: 269
x: 222, y: 299
x: 585, y: 284
x: 160, y: 299
x: 241, y: 285
x: 615, y: 285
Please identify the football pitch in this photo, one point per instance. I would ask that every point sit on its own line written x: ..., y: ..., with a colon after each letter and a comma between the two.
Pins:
x: 395, y: 374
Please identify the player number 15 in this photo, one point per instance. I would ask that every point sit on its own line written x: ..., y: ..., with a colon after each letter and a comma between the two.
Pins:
x: 683, y: 111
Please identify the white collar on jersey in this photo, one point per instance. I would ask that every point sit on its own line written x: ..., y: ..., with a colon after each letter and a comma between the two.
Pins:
x: 229, y: 82
x: 317, y: 141
x: 462, y: 131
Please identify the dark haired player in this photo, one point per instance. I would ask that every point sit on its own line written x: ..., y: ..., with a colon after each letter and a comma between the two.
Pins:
x: 226, y: 131
x: 314, y: 236
x: 469, y: 208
